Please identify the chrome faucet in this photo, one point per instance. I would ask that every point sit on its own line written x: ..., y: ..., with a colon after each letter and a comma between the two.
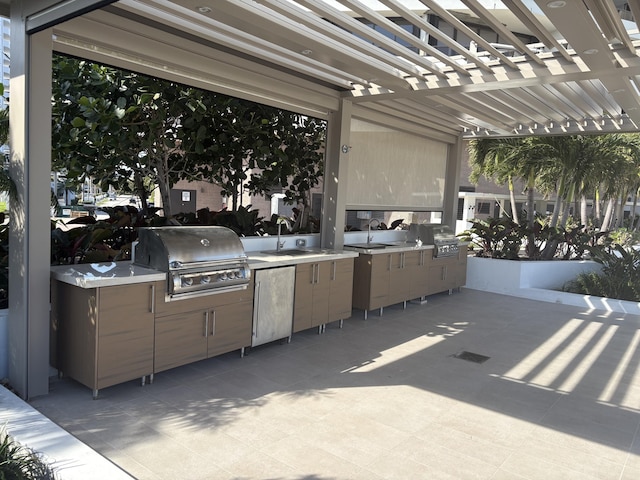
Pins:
x: 369, y: 236
x: 280, y: 244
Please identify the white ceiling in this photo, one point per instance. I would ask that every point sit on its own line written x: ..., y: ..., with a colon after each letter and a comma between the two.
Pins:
x: 584, y: 76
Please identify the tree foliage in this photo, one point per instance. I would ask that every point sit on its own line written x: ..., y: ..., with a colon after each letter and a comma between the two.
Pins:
x: 120, y: 127
x: 605, y: 168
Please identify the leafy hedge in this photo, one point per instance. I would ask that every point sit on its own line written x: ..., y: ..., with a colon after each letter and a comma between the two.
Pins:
x: 619, y: 278
x: 18, y: 462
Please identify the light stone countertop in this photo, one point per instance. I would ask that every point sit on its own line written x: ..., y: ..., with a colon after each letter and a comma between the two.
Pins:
x: 389, y: 247
x: 93, y: 275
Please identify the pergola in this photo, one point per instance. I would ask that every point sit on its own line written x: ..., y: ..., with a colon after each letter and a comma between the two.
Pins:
x: 315, y: 57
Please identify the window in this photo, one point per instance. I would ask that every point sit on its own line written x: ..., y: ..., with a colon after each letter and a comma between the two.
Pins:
x: 484, y: 208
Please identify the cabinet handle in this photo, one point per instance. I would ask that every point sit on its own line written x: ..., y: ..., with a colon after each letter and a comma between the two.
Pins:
x: 402, y: 260
x: 152, y: 309
x: 389, y: 262
x: 317, y: 273
x: 256, y: 306
x: 422, y: 258
x: 206, y: 324
x: 333, y: 273
x: 213, y: 324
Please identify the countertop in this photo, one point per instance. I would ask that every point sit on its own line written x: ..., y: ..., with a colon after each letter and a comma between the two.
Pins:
x: 387, y: 247
x: 93, y: 275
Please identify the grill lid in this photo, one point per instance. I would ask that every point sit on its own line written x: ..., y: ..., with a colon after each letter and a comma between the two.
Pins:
x: 441, y: 236
x: 173, y: 248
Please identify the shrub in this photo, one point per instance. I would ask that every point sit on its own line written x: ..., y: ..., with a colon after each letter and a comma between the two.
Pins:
x: 18, y: 462
x: 620, y: 276
x: 494, y: 238
x: 503, y: 238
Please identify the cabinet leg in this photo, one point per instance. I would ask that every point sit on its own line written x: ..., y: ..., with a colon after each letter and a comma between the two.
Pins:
x: 319, y: 329
x: 341, y: 323
x: 242, y: 352
x: 404, y: 305
x: 381, y: 310
x: 143, y: 380
x: 366, y: 313
x: 289, y: 339
x: 150, y: 379
x: 95, y: 393
x: 450, y: 291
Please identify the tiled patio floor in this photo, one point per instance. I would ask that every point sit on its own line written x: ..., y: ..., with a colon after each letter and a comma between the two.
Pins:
x: 386, y: 398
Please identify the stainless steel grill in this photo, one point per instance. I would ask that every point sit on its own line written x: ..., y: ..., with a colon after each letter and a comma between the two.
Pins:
x: 198, y: 260
x: 443, y: 239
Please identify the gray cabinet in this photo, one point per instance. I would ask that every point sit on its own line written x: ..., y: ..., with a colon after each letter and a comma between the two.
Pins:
x: 447, y: 273
x: 103, y: 336
x: 323, y: 293
x: 204, y: 327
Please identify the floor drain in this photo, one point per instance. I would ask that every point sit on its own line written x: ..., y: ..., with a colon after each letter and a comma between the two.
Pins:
x: 472, y: 357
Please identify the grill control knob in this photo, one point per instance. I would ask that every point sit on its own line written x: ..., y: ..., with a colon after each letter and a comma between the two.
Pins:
x: 205, y: 279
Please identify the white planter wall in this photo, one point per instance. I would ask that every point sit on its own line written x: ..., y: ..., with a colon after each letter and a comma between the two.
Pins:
x: 504, y: 276
x: 540, y: 280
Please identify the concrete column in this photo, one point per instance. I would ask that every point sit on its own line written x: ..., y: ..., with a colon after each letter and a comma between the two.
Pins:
x: 452, y: 183
x: 30, y: 232
x: 335, y: 177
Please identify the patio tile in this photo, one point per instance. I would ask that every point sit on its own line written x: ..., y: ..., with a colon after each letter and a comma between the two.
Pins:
x: 386, y: 399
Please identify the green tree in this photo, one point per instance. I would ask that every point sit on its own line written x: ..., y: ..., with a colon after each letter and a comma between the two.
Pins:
x: 497, y: 159
x: 121, y: 128
x: 113, y: 125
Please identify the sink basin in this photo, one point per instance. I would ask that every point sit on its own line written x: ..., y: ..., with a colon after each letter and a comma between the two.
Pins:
x: 287, y: 252
x: 369, y: 245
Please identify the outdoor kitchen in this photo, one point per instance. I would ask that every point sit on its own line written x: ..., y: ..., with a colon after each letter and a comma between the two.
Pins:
x: 192, y: 293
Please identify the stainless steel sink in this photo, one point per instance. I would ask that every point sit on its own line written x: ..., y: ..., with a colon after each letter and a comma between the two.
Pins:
x: 288, y: 252
x: 369, y: 245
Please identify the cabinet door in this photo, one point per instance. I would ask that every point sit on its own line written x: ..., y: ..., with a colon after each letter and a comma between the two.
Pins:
x: 229, y: 328
x: 403, y: 275
x: 437, y: 277
x: 303, y: 297
x: 380, y: 269
x: 461, y: 267
x: 420, y: 284
x: 125, y: 333
x: 181, y: 339
x: 311, y: 304
x: 321, y: 287
x: 340, y: 289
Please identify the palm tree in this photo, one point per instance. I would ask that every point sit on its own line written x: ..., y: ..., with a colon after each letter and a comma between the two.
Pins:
x: 496, y: 159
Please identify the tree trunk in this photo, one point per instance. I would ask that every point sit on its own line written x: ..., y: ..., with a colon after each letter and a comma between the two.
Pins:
x: 597, y: 219
x: 531, y: 239
x: 565, y: 214
x: 634, y: 219
x: 138, y: 182
x: 584, y: 219
x: 557, y: 207
x: 619, y: 211
x: 607, y: 215
x: 512, y: 200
